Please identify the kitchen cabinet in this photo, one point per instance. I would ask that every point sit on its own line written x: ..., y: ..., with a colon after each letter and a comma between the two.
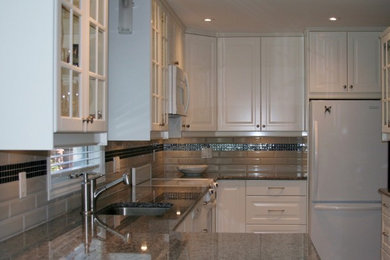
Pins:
x: 200, y: 53
x: 200, y: 219
x: 343, y: 65
x: 55, y: 73
x: 282, y: 84
x: 385, y: 79
x: 385, y: 247
x: 260, y: 84
x: 138, y: 75
x: 276, y: 206
x: 231, y: 206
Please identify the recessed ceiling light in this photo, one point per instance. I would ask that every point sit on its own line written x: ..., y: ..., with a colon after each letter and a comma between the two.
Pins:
x: 208, y: 19
x: 332, y: 19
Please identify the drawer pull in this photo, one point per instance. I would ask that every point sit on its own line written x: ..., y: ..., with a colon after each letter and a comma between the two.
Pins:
x: 276, y: 188
x: 276, y: 210
x: 385, y: 205
x: 385, y: 234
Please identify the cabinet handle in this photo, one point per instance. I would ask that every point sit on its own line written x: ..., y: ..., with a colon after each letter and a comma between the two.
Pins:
x: 276, y: 188
x: 385, y: 234
x: 89, y: 119
x: 205, y: 230
x: 345, y: 86
x: 385, y: 205
x: 263, y: 126
x: 258, y: 126
x: 188, y: 126
x: 183, y: 125
x: 351, y: 87
x: 277, y: 210
x: 162, y: 124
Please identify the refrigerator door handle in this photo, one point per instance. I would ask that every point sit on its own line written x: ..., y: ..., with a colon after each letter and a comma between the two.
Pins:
x: 348, y: 206
x: 315, y: 159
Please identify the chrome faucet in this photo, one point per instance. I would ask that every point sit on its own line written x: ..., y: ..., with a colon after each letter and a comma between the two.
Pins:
x: 90, y: 193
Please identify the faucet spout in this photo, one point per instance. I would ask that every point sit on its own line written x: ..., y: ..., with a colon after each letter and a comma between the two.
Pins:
x: 125, y: 179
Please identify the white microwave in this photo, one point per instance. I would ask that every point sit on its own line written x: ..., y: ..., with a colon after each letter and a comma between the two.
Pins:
x: 178, y: 91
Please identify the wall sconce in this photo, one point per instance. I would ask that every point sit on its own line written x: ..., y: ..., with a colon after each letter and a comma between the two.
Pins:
x: 125, y: 23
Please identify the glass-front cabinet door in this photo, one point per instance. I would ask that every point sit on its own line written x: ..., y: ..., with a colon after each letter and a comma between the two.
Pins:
x: 385, y: 74
x: 81, y: 67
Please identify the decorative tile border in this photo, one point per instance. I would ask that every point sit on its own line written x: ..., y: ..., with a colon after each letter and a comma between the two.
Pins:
x: 131, y: 152
x: 236, y: 147
x: 9, y: 173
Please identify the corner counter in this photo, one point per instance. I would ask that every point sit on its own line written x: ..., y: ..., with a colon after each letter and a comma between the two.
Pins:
x: 75, y: 236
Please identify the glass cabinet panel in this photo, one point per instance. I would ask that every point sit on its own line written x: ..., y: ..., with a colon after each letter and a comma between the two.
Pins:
x: 65, y: 34
x: 92, y: 48
x: 100, y: 59
x: 76, y: 40
x: 92, y: 9
x: 92, y: 97
x: 65, y: 92
x: 76, y: 94
x: 101, y: 12
x: 100, y: 99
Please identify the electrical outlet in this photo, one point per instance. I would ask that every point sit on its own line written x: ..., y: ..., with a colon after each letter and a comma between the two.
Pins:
x: 22, y: 185
x: 117, y: 164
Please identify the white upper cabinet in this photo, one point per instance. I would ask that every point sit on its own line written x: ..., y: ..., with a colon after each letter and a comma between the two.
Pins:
x: 282, y: 84
x: 55, y: 73
x: 138, y: 74
x: 238, y: 84
x: 385, y: 78
x: 343, y: 65
x: 260, y: 84
x: 200, y: 53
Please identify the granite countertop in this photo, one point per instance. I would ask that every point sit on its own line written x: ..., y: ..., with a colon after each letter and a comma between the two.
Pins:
x: 148, y: 237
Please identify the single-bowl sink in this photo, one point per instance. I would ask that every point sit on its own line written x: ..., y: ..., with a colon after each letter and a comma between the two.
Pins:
x: 136, y: 209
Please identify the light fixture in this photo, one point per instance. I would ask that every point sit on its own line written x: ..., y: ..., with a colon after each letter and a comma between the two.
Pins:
x: 332, y: 19
x: 208, y: 20
x: 178, y: 213
x: 125, y: 22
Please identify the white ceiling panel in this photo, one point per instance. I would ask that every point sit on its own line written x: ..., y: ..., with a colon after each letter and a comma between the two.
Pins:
x: 274, y: 16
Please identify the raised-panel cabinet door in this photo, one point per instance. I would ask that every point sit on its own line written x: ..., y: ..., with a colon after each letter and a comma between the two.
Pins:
x: 200, y: 52
x: 231, y: 206
x: 327, y: 62
x: 363, y: 62
x: 282, y: 83
x: 238, y: 84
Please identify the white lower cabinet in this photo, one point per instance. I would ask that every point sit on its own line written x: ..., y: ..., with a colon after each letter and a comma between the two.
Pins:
x: 259, y: 206
x: 231, y: 206
x: 385, y: 252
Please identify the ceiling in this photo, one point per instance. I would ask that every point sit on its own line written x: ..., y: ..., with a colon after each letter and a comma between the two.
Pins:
x: 279, y: 16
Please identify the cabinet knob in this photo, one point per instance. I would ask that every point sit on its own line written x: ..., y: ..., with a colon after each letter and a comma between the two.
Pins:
x: 263, y: 126
x: 385, y: 234
x: 188, y: 126
x: 89, y: 119
x: 345, y: 86
x: 258, y: 126
x: 351, y: 87
x: 183, y: 125
x: 162, y: 124
x: 385, y: 205
x: 205, y: 230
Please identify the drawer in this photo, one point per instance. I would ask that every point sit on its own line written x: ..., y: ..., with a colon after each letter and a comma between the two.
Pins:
x: 275, y: 228
x: 269, y: 188
x: 386, y: 205
x: 276, y: 210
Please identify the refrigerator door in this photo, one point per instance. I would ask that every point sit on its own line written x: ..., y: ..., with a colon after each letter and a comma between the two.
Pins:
x: 348, y: 159
x: 346, y: 231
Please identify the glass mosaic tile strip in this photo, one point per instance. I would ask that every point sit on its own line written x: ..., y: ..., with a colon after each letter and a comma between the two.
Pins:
x: 9, y: 173
x: 131, y: 152
x: 237, y: 147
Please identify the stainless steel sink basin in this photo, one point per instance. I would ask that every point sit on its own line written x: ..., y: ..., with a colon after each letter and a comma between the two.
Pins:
x: 136, y: 209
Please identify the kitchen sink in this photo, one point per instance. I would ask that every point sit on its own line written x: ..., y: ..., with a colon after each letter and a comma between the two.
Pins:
x: 136, y: 209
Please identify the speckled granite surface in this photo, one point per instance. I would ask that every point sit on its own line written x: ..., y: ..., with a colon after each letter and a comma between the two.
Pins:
x: 116, y: 237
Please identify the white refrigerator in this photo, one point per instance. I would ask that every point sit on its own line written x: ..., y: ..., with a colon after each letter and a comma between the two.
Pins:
x: 348, y: 164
